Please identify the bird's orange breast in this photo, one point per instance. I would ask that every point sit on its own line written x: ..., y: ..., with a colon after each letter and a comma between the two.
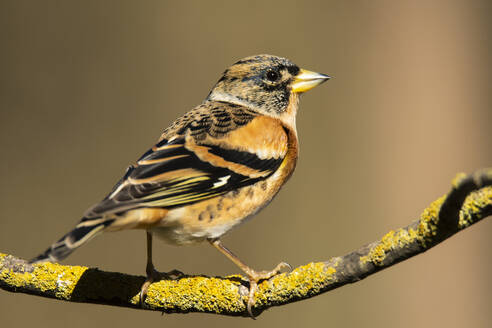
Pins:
x: 213, y: 217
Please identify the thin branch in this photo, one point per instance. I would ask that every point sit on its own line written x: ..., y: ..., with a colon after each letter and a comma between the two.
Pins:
x: 469, y: 201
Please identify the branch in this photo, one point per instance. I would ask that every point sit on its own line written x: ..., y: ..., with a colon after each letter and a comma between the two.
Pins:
x: 469, y: 201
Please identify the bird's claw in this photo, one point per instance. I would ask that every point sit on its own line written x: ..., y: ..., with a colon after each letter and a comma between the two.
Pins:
x: 153, y: 276
x: 255, y: 277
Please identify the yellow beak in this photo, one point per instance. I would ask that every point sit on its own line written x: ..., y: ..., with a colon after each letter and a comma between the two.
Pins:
x: 306, y: 80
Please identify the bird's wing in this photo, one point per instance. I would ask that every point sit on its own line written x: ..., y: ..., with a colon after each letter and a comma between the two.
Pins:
x: 196, y: 164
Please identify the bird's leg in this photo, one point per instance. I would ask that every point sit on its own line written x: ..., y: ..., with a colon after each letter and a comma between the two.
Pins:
x: 253, y: 276
x: 152, y: 274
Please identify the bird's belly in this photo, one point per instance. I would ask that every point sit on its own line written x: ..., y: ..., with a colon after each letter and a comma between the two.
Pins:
x: 214, y: 217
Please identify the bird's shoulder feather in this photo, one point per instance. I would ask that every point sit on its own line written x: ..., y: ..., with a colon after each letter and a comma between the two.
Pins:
x: 212, y: 118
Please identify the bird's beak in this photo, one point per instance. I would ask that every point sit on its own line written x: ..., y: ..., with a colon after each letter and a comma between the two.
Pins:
x: 306, y: 80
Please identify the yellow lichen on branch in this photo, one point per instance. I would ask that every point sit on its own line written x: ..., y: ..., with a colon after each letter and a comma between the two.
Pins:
x: 427, y: 227
x: 390, y: 242
x: 48, y: 278
x: 214, y: 295
x: 186, y: 294
x: 474, y: 203
x: 469, y: 201
x: 302, y: 282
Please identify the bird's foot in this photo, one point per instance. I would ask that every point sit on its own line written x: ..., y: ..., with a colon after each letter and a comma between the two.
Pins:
x: 256, y: 276
x: 152, y: 276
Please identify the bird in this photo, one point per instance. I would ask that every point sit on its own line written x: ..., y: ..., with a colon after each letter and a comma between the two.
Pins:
x: 212, y: 169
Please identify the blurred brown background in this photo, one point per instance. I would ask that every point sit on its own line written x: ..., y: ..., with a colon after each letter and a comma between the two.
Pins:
x: 87, y: 86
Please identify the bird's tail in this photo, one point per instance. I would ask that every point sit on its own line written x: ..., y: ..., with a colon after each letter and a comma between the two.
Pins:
x: 83, y: 232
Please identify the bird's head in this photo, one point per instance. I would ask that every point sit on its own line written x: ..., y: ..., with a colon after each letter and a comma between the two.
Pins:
x: 265, y: 83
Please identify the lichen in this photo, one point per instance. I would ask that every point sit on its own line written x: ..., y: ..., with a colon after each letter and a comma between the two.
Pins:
x: 391, y: 241
x: 220, y: 295
x: 48, y: 278
x: 427, y: 224
x: 429, y: 219
x: 199, y: 293
x: 458, y: 179
x: 473, y: 205
x: 306, y: 280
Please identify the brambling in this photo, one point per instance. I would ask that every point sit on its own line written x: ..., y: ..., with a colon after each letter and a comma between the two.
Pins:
x: 212, y: 169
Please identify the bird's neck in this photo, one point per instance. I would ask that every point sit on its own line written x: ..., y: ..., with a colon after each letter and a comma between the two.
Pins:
x: 227, y: 97
x: 288, y: 117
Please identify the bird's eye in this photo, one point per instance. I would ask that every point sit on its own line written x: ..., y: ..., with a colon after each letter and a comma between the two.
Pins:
x: 272, y: 75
